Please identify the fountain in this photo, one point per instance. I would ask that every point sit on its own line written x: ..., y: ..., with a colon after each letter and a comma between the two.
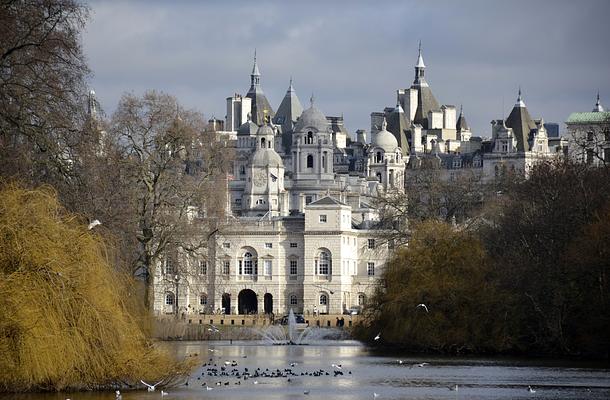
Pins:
x: 290, y: 335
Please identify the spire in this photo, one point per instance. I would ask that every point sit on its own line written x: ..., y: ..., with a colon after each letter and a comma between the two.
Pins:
x: 519, y: 102
x: 311, y: 100
x: 255, y: 76
x: 462, y: 125
x: 384, y: 124
x: 598, y: 105
x: 420, y: 68
x: 290, y: 88
x: 398, y: 105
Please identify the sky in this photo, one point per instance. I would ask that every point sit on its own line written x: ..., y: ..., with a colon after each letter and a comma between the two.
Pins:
x: 354, y: 55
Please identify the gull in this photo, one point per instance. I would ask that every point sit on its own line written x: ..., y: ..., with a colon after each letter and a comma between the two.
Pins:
x: 420, y: 365
x: 256, y: 382
x: 338, y: 366
x: 306, y: 392
x: 375, y: 395
x: 94, y: 223
x: 399, y: 361
x: 378, y: 336
x: 530, y: 389
x: 208, y: 388
x: 163, y: 393
x: 151, y: 388
x: 454, y: 388
x: 293, y: 364
x: 422, y: 305
x: 118, y: 395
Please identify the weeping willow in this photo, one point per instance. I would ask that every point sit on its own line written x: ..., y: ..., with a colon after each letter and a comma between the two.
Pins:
x: 64, y: 321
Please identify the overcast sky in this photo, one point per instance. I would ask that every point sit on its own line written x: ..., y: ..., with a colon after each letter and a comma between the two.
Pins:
x: 353, y: 55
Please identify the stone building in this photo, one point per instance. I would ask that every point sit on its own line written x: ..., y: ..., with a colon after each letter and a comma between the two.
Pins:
x: 589, y: 135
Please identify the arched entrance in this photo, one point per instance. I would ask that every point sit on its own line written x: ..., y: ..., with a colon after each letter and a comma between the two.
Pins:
x: 247, y: 302
x: 268, y: 300
x: 226, y: 303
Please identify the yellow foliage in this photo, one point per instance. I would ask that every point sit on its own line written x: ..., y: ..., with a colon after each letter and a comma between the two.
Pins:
x: 64, y: 323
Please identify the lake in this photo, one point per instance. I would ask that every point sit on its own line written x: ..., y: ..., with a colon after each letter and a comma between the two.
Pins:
x: 364, y: 375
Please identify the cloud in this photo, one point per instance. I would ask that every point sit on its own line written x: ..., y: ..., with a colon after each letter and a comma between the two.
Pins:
x: 354, y: 55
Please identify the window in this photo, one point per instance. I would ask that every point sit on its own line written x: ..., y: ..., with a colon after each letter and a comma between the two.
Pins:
x: 309, y: 138
x: 308, y: 199
x: 323, y: 300
x: 238, y: 202
x: 169, y: 266
x: 309, y: 161
x: 293, y: 245
x: 248, y: 264
x: 268, y: 245
x: 590, y: 136
x: 323, y: 218
x: 293, y: 300
x: 268, y: 267
x: 371, y: 243
x: 370, y: 269
x: 203, y: 267
x: 504, y: 147
x: 293, y: 267
x: 169, y: 299
x: 226, y: 245
x: 361, y: 299
x: 379, y: 177
x: 378, y: 157
x: 323, y: 263
x: 203, y: 299
x: 242, y: 170
x: 226, y: 267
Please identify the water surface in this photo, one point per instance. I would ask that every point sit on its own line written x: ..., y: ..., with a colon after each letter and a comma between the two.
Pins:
x: 476, y: 378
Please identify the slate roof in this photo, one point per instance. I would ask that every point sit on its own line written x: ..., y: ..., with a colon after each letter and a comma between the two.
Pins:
x: 522, y: 124
x: 259, y: 105
x: 462, y: 124
x: 327, y: 201
x: 398, y: 125
x: 288, y: 112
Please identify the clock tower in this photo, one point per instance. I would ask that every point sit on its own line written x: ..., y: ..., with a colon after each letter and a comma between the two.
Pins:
x: 264, y: 193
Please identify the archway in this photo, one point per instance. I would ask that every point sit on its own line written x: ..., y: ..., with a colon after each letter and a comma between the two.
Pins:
x: 247, y: 302
x: 268, y: 300
x: 226, y: 303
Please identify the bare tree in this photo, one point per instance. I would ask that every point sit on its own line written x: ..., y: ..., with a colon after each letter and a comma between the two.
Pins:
x: 174, y: 175
x: 42, y: 84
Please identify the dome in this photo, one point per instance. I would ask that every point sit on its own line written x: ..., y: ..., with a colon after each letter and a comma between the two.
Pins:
x: 312, y: 118
x: 266, y: 157
x: 247, y: 128
x: 265, y: 130
x: 384, y: 139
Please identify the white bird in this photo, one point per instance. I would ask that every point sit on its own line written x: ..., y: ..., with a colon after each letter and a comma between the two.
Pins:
x: 422, y: 305
x: 208, y: 388
x: 530, y: 389
x: 163, y: 393
x: 118, y: 395
x: 293, y: 364
x: 338, y: 366
x: 399, y: 361
x: 151, y: 388
x: 375, y: 395
x: 378, y: 336
x: 454, y: 388
x: 306, y: 392
x: 256, y: 382
x: 421, y: 365
x: 94, y: 223
x: 227, y: 362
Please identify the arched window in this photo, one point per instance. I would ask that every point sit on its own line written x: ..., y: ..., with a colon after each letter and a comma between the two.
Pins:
x: 169, y: 299
x: 309, y: 161
x: 242, y: 169
x: 293, y: 300
x: 379, y: 177
x: 378, y: 157
x: 248, y: 264
x: 203, y: 299
x: 361, y: 299
x: 309, y: 138
x: 169, y: 266
x: 323, y: 299
x: 263, y: 143
x: 323, y: 260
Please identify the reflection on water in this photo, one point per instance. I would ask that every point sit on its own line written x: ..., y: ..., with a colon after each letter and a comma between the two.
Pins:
x: 383, y: 375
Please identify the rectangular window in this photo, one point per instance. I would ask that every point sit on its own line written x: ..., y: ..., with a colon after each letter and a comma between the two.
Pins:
x: 268, y: 264
x: 323, y: 218
x: 203, y: 267
x: 370, y: 269
x: 293, y: 245
x: 226, y: 245
x: 169, y: 266
x: 293, y: 267
x: 226, y: 267
x: 268, y: 245
x: 371, y: 243
x: 308, y: 199
x: 238, y: 202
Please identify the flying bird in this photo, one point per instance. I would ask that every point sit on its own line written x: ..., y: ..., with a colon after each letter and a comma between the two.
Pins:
x: 378, y: 336
x: 422, y: 305
x: 94, y: 223
x: 151, y: 388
